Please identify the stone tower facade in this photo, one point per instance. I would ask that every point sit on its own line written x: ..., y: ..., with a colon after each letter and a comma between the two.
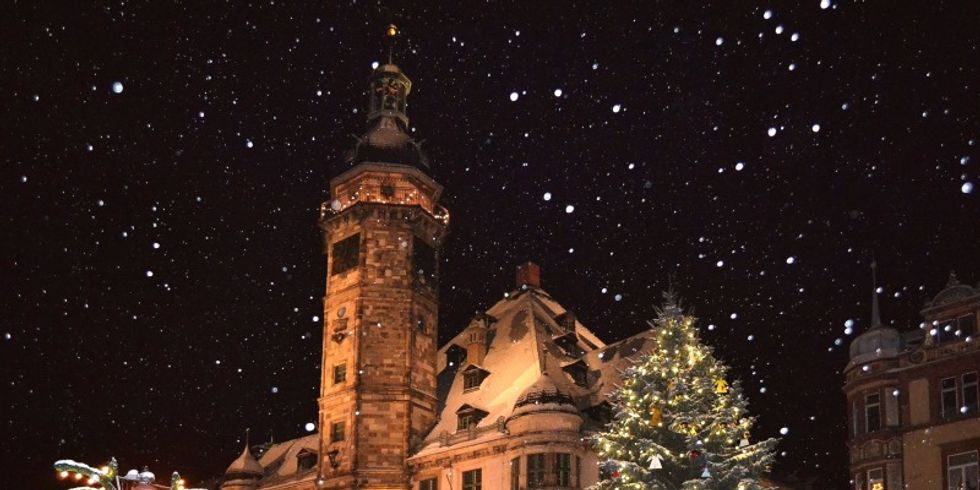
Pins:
x: 382, y: 230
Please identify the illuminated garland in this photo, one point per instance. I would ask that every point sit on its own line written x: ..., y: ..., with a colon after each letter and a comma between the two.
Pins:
x: 108, y: 475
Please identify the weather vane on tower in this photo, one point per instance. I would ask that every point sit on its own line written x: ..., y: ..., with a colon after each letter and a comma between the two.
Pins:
x: 391, y: 32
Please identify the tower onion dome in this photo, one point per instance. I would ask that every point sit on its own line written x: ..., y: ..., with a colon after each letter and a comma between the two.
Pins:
x: 244, y: 468
x: 387, y: 139
x: 879, y: 341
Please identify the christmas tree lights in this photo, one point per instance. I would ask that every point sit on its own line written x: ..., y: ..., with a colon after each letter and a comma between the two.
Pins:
x: 678, y: 423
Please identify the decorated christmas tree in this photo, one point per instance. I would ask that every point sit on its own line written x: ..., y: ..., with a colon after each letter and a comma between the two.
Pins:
x: 678, y: 423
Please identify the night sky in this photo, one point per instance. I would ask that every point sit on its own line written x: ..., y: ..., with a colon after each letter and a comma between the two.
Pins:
x: 161, y: 168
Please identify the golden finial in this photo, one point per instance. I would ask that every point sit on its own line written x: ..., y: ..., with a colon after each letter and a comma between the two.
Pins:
x: 391, y: 30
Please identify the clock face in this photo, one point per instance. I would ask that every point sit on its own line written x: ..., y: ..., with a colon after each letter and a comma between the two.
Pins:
x: 342, y: 312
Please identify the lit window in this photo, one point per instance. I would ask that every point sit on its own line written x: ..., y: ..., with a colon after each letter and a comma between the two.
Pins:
x: 473, y: 479
x: 563, y: 469
x: 970, y: 398
x: 950, y: 407
x: 340, y: 373
x: 535, y: 470
x: 872, y: 412
x: 876, y: 479
x: 336, y: 432
x: 962, y: 471
x: 429, y: 484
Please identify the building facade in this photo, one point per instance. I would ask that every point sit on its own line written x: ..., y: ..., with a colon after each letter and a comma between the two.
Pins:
x: 912, y: 398
x: 506, y: 404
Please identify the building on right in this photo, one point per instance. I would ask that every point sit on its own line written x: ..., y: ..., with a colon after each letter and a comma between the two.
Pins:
x: 912, y: 398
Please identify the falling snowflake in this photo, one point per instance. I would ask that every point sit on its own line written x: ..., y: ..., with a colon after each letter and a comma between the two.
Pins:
x: 117, y: 87
x: 771, y: 132
x: 514, y: 96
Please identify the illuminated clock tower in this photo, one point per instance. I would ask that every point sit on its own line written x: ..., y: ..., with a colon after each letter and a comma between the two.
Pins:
x: 382, y: 229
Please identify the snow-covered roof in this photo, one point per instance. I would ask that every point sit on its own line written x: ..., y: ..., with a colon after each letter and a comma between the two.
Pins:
x: 280, y: 462
x: 527, y: 347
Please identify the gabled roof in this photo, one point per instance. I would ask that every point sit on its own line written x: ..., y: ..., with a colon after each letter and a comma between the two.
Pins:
x: 523, y: 353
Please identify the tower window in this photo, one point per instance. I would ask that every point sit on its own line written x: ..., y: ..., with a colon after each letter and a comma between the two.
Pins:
x: 337, y: 432
x: 340, y: 373
x: 429, y: 484
x: 345, y: 254
x: 535, y: 470
x: 948, y: 397
x: 424, y: 262
x: 473, y: 479
x: 872, y: 412
x: 563, y: 469
x: 515, y: 474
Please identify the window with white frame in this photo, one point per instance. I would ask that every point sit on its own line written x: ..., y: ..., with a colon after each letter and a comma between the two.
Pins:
x: 962, y: 471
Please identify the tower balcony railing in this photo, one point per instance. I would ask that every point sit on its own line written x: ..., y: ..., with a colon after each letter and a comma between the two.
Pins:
x: 335, y: 207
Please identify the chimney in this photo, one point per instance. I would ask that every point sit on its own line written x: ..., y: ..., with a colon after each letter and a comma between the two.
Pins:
x: 528, y: 274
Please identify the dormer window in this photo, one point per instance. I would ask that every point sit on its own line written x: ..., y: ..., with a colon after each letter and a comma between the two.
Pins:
x: 473, y: 377
x: 566, y: 321
x: 305, y: 460
x: 579, y: 372
x: 468, y: 417
x: 569, y: 345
